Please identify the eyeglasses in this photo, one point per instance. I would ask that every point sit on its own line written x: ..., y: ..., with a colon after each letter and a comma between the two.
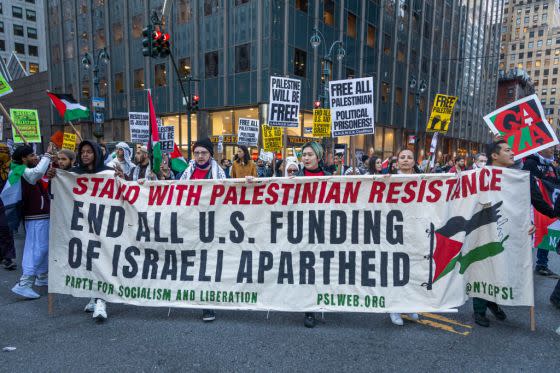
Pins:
x: 292, y: 171
x: 199, y: 154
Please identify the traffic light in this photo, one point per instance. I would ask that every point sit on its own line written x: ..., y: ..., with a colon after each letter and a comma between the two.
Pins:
x: 147, y: 41
x: 156, y: 43
x: 165, y: 45
x: 316, y: 104
x: 194, y: 103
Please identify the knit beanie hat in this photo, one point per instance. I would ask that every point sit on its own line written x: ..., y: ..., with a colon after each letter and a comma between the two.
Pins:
x: 317, y: 148
x: 205, y: 143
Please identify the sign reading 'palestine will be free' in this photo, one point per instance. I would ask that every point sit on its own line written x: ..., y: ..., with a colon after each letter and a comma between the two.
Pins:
x: 299, y: 242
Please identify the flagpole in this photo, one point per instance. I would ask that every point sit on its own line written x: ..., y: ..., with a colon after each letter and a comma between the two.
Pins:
x: 5, y: 113
x: 76, y: 131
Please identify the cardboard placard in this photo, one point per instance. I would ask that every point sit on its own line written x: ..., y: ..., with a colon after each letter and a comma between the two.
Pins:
x: 442, y: 110
x: 321, y: 123
x: 27, y: 120
x: 272, y: 138
x: 284, y: 100
x: 352, y: 107
x: 248, y: 133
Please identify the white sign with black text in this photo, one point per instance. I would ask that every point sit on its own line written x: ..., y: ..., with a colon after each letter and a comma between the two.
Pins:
x: 166, y: 138
x: 351, y: 107
x: 139, y: 124
x: 284, y: 99
x: 248, y: 132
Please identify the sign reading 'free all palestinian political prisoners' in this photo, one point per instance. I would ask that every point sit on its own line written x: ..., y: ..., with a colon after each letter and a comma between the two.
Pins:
x: 284, y: 99
x: 248, y: 132
x: 27, y: 121
x: 305, y: 244
x: 351, y: 107
x: 523, y: 125
x: 442, y: 110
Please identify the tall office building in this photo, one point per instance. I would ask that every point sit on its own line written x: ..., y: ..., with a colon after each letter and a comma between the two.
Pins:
x: 233, y: 47
x: 531, y: 42
x: 22, y: 30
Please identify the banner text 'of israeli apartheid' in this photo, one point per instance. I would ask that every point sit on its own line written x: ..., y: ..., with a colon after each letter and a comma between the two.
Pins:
x: 377, y: 244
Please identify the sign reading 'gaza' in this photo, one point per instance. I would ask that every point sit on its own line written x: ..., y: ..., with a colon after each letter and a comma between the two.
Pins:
x: 351, y: 107
x: 284, y: 99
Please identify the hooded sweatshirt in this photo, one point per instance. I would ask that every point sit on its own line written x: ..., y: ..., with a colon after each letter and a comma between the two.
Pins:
x: 126, y: 164
x: 98, y: 161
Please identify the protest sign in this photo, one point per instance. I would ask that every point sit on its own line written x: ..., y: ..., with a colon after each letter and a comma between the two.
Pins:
x: 28, y: 123
x: 1, y: 128
x: 248, y: 132
x: 284, y: 99
x: 523, y: 125
x: 166, y: 138
x: 407, y: 243
x: 266, y: 156
x: 138, y: 123
x: 4, y: 86
x: 69, y: 141
x: 321, y: 123
x: 272, y: 138
x: 351, y: 107
x: 442, y: 110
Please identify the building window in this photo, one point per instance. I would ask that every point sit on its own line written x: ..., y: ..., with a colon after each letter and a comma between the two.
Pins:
x: 400, y: 52
x: 300, y: 62
x: 85, y: 89
x: 2, y: 45
x: 398, y: 96
x: 185, y: 66
x: 352, y: 25
x: 371, y: 36
x: 387, y: 44
x: 529, y: 54
x: 20, y: 48
x: 302, y: 5
x: 239, y: 2
x: 118, y: 33
x: 18, y: 30
x: 139, y: 79
x: 33, y: 68
x: 350, y: 74
x: 530, y: 45
x: 17, y: 12
x: 529, y: 64
x: 211, y: 64
x: 385, y: 92
x: 31, y: 15
x: 427, y: 29
x: 100, y: 39
x: 33, y: 50
x: 510, y: 92
x: 328, y: 12
x: 537, y: 63
x: 119, y: 83
x: 543, y: 92
x: 32, y: 33
x: 541, y: 32
x: 210, y: 6
x: 185, y: 11
x: 1, y: 26
x: 160, y: 75
x: 137, y: 21
x: 242, y: 58
x: 30, y: 1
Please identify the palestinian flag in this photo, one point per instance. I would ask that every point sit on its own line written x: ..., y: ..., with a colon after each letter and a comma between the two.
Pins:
x: 154, y: 147
x: 547, y: 235
x: 178, y: 162
x: 465, y: 241
x: 68, y: 108
x: 11, y: 195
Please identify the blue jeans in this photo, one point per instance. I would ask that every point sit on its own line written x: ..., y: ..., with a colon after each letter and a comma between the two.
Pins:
x: 542, y: 258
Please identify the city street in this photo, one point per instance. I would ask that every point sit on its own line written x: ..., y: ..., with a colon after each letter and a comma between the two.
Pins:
x: 158, y: 339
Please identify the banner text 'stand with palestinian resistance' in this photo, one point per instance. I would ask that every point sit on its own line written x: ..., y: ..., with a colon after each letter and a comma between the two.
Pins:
x: 351, y: 244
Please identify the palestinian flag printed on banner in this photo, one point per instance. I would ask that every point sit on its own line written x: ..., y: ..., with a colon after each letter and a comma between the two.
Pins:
x: 465, y: 241
x: 68, y: 108
x: 547, y: 235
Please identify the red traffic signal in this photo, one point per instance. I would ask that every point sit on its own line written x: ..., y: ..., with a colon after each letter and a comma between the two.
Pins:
x: 316, y: 104
x: 165, y: 37
x: 195, y: 98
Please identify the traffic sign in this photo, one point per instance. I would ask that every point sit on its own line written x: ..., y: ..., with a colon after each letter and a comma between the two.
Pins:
x: 98, y: 102
x: 98, y: 117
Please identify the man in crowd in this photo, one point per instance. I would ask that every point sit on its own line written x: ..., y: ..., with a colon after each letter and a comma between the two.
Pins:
x: 262, y: 169
x: 123, y: 158
x: 142, y: 168
x: 459, y: 165
x: 540, y: 166
x: 35, y: 211
x: 480, y: 161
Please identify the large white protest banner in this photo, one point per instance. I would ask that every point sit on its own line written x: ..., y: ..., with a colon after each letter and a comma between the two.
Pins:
x: 351, y: 107
x: 139, y: 125
x: 248, y: 133
x: 377, y: 244
x: 284, y: 99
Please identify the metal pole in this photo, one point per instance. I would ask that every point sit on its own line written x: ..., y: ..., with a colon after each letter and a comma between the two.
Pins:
x: 189, y: 111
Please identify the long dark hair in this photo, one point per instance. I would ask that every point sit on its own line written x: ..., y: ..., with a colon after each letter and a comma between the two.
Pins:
x: 371, y: 165
x: 391, y: 163
x: 246, y: 157
x: 415, y: 168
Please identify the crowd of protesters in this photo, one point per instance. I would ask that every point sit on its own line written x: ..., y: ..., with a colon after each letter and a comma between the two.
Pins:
x: 134, y: 165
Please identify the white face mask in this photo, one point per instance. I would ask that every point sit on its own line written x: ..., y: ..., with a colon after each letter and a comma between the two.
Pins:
x: 481, y: 164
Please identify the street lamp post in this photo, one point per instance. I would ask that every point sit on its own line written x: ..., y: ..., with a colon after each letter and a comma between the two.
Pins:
x: 102, y: 57
x: 417, y: 88
x: 327, y: 61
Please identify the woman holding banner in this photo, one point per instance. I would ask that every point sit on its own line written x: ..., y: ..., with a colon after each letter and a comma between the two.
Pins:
x: 243, y: 165
x: 406, y: 165
x: 311, y: 156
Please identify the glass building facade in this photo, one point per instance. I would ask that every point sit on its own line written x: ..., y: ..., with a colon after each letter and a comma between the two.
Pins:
x: 233, y: 47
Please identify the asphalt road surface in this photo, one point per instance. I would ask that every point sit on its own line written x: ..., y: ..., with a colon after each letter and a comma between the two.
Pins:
x: 136, y: 339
